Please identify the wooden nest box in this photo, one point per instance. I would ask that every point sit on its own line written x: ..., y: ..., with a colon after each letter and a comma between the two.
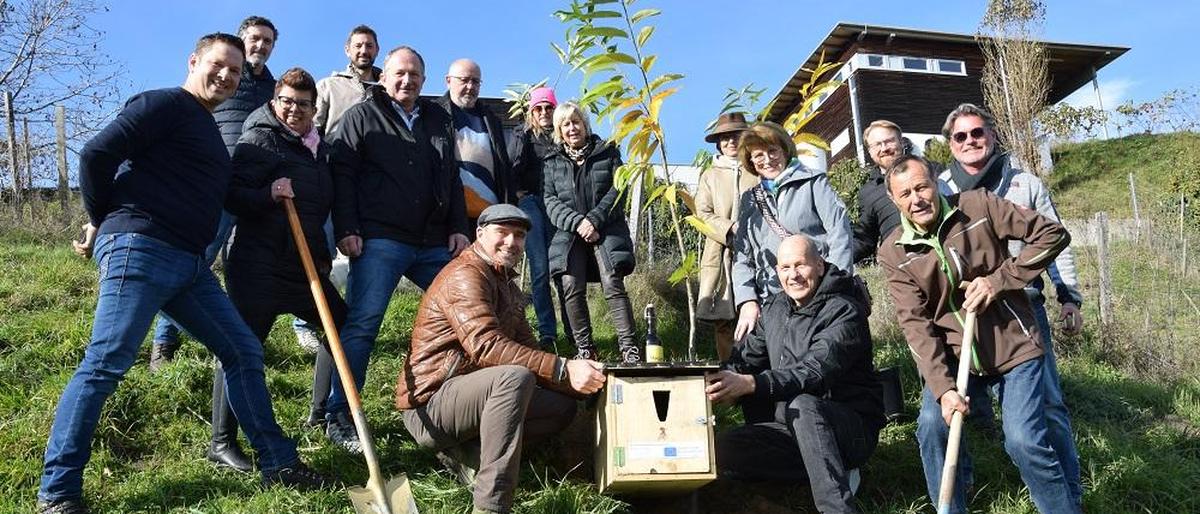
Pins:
x: 654, y: 430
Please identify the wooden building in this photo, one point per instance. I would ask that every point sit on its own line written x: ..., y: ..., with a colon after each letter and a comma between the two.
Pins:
x: 913, y: 78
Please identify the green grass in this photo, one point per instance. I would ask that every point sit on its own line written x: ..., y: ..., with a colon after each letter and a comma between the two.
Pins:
x: 1093, y: 176
x: 1139, y: 434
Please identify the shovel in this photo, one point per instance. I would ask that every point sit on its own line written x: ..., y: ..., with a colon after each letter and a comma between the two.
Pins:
x: 396, y: 496
x: 950, y: 467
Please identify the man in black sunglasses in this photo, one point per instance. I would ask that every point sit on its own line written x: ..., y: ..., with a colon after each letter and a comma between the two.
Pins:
x: 980, y: 163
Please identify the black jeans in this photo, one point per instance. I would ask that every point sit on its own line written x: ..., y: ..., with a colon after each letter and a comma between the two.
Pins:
x: 575, y: 292
x: 811, y: 438
x: 259, y: 307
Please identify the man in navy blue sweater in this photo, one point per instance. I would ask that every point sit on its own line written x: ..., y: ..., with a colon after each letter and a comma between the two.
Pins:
x: 154, y: 182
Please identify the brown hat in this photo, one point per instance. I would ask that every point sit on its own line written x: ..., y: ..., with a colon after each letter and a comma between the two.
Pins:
x: 726, y: 123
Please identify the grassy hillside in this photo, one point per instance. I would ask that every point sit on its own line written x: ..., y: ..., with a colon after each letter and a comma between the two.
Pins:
x: 1093, y: 176
x: 1139, y: 434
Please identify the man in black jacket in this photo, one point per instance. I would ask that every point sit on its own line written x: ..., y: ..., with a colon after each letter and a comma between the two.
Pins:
x: 811, y: 355
x: 398, y: 209
x: 153, y: 182
x: 479, y: 149
x: 255, y: 88
x: 877, y: 217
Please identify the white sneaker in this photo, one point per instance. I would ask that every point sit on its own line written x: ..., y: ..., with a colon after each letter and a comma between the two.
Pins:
x: 309, y: 340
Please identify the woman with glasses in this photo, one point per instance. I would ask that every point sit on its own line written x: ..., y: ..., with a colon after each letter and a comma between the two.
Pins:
x: 527, y: 149
x: 789, y: 199
x: 717, y: 194
x: 592, y: 243
x: 279, y: 155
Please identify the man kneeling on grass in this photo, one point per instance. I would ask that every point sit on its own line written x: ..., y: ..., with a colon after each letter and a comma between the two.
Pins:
x: 810, y: 354
x: 475, y: 386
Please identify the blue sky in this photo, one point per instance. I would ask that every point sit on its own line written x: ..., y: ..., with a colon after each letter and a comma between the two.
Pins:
x: 717, y: 45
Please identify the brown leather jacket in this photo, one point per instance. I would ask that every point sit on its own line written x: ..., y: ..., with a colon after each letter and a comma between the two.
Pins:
x: 971, y: 241
x: 471, y: 317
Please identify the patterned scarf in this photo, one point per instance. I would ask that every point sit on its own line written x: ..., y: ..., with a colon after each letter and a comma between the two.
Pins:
x: 578, y: 154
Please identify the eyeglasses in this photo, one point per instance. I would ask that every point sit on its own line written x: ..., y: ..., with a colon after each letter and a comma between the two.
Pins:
x: 762, y: 156
x: 542, y: 108
x: 468, y: 80
x: 290, y: 102
x: 879, y: 145
x: 961, y: 137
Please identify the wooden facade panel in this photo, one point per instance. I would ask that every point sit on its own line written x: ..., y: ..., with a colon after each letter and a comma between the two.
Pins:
x: 918, y: 102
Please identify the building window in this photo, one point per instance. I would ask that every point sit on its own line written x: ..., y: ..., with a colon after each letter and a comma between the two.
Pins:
x: 908, y: 64
x: 914, y: 63
x: 947, y: 66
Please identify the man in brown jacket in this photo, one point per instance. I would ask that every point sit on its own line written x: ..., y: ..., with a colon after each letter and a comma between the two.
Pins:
x: 945, y: 241
x: 475, y: 386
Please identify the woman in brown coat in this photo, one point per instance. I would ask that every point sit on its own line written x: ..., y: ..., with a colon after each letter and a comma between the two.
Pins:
x: 717, y: 205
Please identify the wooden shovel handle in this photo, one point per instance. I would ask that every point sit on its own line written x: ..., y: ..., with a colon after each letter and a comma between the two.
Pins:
x: 335, y: 342
x: 950, y: 466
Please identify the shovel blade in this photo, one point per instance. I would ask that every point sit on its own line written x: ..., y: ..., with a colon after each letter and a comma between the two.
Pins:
x: 397, y: 493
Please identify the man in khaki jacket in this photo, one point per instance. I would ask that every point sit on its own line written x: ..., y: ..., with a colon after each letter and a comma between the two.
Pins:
x: 475, y: 385
x: 344, y: 88
x: 945, y: 241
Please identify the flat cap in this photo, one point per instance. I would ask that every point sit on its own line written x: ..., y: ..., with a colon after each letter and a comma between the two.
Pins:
x: 504, y: 213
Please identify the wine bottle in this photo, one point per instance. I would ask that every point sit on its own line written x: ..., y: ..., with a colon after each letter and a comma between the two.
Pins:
x: 654, y: 349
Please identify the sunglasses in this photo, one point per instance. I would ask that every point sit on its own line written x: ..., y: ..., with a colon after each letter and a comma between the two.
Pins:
x: 975, y: 133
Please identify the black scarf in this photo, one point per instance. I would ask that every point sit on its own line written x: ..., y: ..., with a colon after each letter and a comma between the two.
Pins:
x: 989, y: 178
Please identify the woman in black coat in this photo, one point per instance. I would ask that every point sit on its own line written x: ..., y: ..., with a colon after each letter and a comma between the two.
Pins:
x: 279, y: 155
x: 592, y: 242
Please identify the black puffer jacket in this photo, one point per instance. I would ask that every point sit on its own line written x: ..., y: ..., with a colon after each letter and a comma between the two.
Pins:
x: 252, y: 92
x: 527, y: 152
x: 822, y: 349
x: 392, y: 182
x: 268, y: 151
x: 573, y: 193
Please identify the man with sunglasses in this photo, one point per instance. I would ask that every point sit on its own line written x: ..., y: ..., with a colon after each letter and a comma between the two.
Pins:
x: 479, y: 149
x: 979, y: 163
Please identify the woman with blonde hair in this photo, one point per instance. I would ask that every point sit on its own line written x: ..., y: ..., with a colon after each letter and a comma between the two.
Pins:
x: 593, y: 242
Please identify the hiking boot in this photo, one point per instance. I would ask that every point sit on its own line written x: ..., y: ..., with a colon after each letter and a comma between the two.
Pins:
x: 462, y: 462
x: 340, y: 431
x: 63, y: 506
x: 631, y: 355
x: 297, y: 476
x: 308, y: 340
x: 587, y: 352
x: 162, y: 352
x: 548, y: 344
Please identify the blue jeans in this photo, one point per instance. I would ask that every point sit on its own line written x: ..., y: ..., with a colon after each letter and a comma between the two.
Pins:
x: 1058, y: 418
x: 537, y: 247
x: 165, y: 329
x: 1026, y: 440
x: 373, y: 278
x: 139, y: 276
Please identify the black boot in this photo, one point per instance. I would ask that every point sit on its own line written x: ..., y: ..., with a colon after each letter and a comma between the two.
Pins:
x: 322, y: 376
x: 224, y: 449
x: 162, y: 352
